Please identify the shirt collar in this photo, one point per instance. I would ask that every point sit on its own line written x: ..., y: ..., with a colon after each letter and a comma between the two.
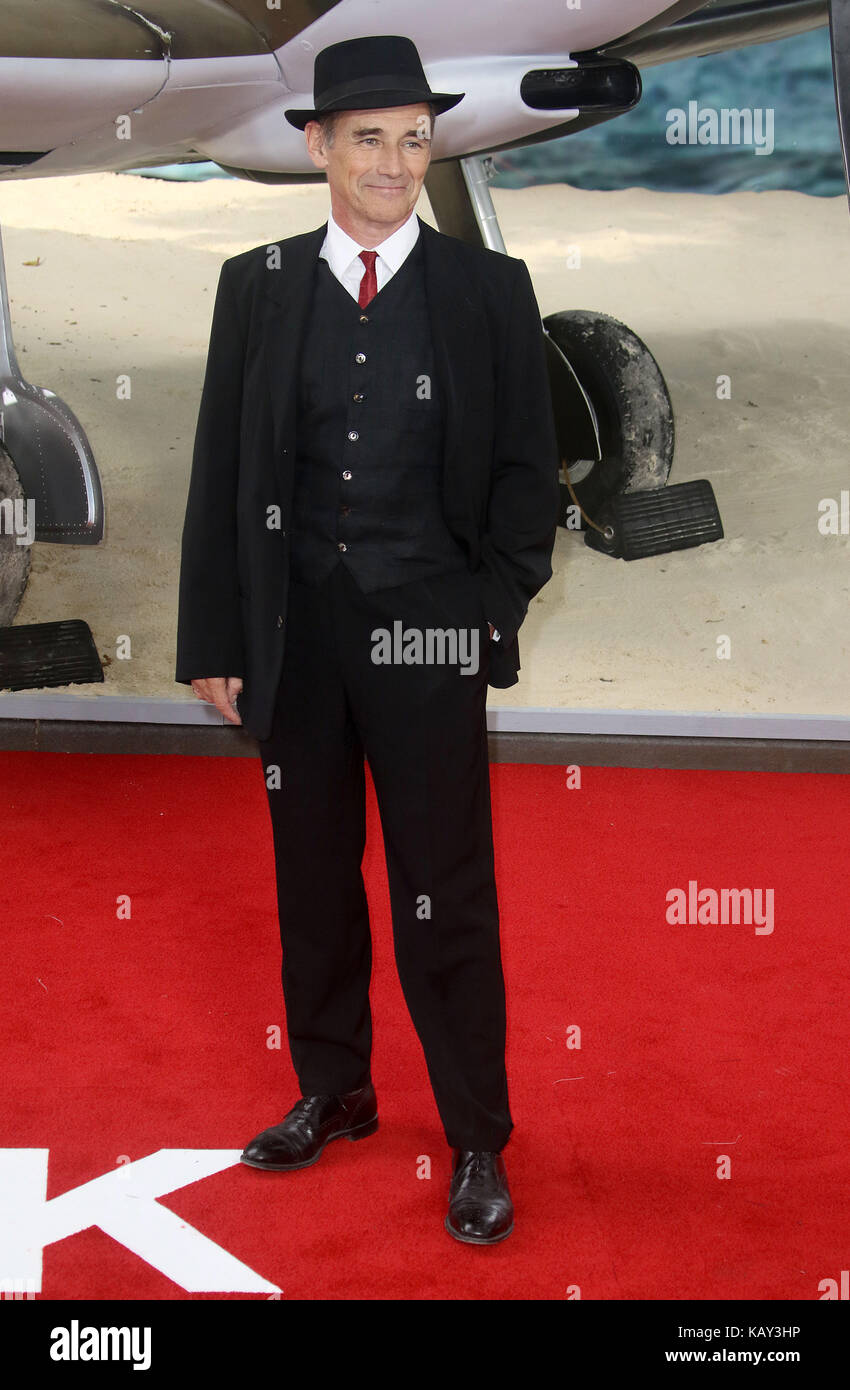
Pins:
x: 341, y: 249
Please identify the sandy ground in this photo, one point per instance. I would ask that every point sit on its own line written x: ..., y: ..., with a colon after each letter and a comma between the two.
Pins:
x: 756, y: 285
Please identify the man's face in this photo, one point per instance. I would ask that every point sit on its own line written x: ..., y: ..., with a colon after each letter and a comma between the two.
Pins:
x: 377, y: 162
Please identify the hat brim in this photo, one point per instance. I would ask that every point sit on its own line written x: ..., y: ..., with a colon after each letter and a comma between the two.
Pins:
x: 376, y: 101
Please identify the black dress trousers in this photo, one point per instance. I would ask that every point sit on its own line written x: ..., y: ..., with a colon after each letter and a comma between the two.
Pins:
x: 422, y: 728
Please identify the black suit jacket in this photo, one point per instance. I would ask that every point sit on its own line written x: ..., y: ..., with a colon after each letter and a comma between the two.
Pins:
x: 500, y: 467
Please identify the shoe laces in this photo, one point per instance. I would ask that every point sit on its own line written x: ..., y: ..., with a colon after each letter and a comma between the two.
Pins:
x: 473, y: 1167
x: 307, y: 1108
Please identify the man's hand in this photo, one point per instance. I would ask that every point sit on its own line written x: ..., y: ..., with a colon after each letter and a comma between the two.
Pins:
x: 220, y: 691
x: 492, y: 630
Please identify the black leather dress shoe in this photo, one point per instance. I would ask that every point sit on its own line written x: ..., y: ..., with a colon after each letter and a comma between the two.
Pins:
x: 480, y: 1207
x: 312, y: 1123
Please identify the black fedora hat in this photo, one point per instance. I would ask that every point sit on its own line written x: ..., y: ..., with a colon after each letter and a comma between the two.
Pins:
x: 367, y: 74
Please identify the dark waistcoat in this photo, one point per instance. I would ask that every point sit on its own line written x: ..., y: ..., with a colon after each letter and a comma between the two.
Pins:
x: 369, y: 437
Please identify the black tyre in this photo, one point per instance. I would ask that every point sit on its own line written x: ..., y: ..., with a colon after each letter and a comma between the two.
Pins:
x: 14, y: 558
x: 630, y: 404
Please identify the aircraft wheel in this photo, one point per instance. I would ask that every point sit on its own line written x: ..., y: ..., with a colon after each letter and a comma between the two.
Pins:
x: 630, y: 404
x: 14, y: 558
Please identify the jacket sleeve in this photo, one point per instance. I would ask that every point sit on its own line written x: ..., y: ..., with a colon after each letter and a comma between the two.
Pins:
x: 522, y: 515
x: 209, y: 629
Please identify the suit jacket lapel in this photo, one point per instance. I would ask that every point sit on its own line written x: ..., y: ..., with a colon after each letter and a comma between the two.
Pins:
x: 287, y: 303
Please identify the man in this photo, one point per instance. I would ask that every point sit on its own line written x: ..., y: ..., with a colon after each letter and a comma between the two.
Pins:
x: 372, y: 507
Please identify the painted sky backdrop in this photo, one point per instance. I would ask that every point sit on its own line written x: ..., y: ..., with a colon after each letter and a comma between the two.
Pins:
x: 792, y: 77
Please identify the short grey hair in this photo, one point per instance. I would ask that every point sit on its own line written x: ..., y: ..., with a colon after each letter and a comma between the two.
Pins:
x: 329, y: 119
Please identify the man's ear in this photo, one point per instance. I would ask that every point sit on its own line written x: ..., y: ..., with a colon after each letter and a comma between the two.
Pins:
x: 316, y: 145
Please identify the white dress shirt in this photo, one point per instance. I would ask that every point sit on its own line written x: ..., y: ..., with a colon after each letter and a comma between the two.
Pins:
x: 342, y: 253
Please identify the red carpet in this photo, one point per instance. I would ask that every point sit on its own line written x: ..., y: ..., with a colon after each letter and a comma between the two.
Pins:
x: 122, y: 1037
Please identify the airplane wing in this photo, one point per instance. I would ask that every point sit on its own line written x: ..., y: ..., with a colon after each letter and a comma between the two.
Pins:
x: 101, y: 85
x: 691, y: 31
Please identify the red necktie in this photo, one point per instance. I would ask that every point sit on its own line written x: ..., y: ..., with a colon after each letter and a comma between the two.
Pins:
x: 369, y: 281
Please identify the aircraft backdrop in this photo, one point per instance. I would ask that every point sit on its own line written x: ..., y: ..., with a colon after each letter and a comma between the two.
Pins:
x: 95, y: 85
